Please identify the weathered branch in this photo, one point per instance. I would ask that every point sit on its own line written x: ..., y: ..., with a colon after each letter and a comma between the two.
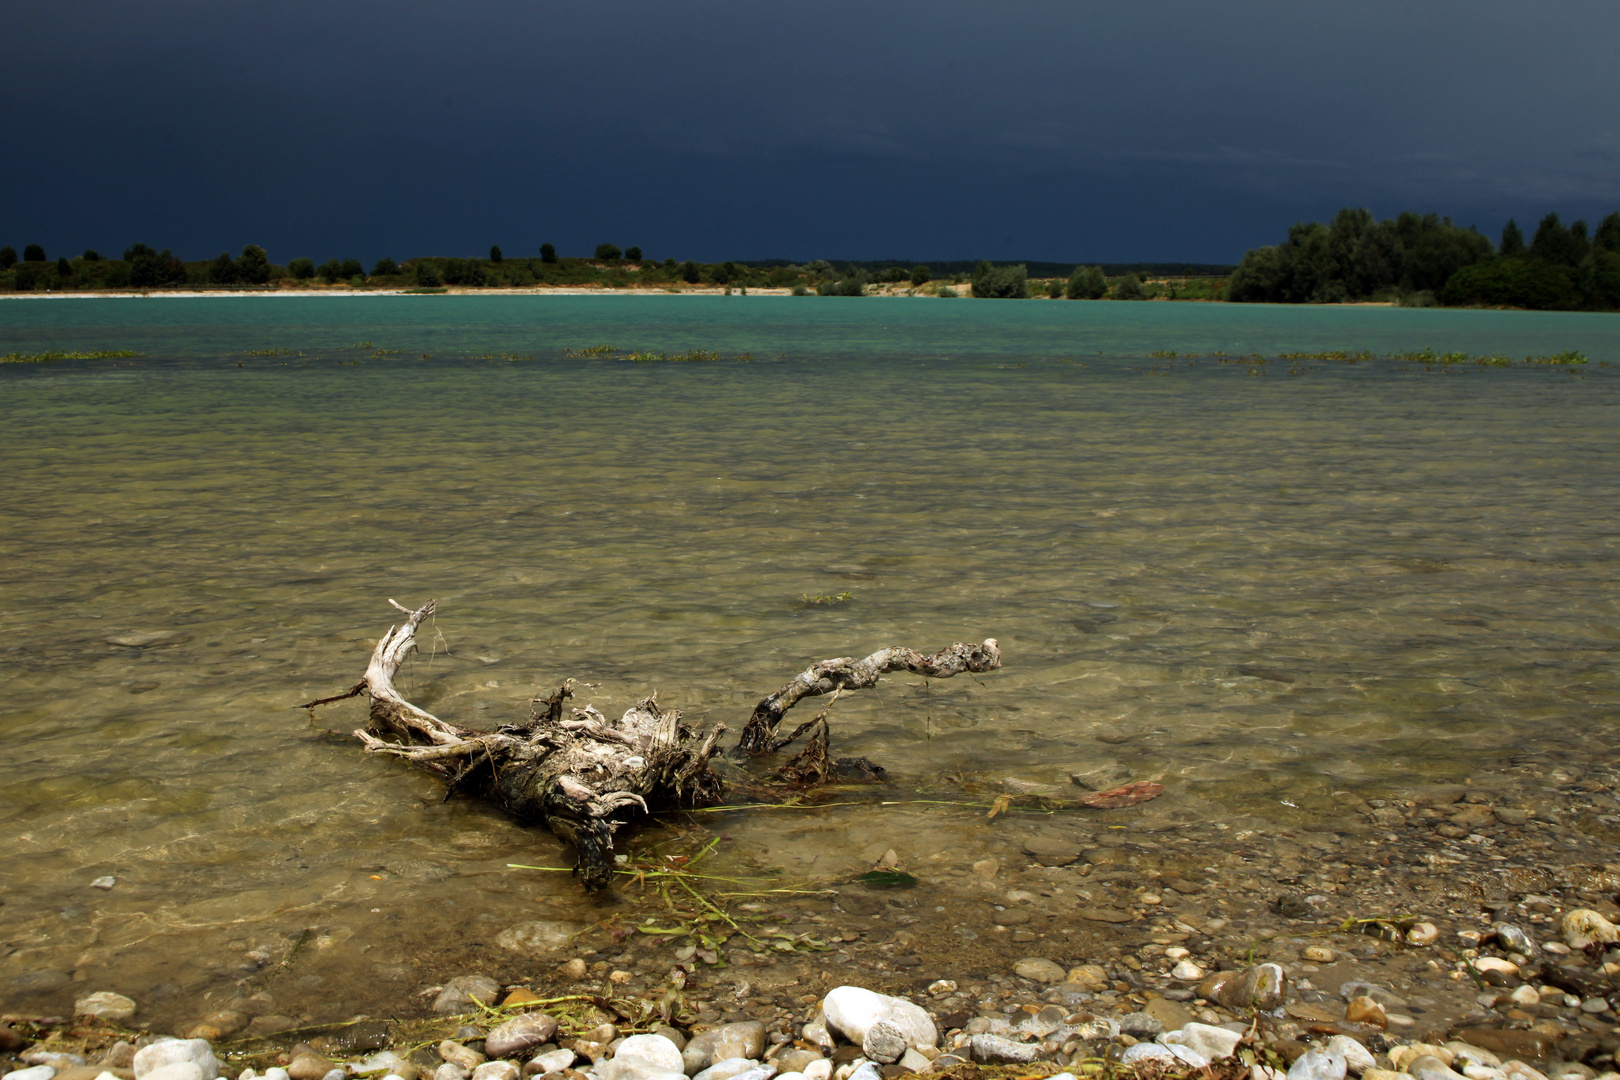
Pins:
x: 848, y: 673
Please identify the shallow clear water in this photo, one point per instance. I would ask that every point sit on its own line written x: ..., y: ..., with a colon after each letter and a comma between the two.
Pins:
x: 1262, y: 588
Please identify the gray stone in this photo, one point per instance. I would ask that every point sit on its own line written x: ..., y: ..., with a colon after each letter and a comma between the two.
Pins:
x: 995, y: 1050
x: 1140, y: 1025
x: 1040, y: 970
x: 170, y: 1051
x: 731, y: 1068
x: 1383, y: 995
x: 796, y: 1060
x: 884, y: 1043
x: 642, y: 1057
x: 851, y: 1010
x: 36, y: 1072
x: 1211, y: 1042
x: 859, y: 901
x: 496, y: 1070
x: 463, y: 1057
x: 1172, y: 1015
x: 538, y: 937
x: 458, y: 994
x: 1050, y: 852
x: 1357, y: 1058
x: 728, y: 1041
x: 449, y: 1071
x: 46, y: 981
x: 554, y: 1061
x: 1263, y: 986
x: 176, y: 1070
x: 1513, y: 939
x: 1317, y: 1065
x: 520, y: 1034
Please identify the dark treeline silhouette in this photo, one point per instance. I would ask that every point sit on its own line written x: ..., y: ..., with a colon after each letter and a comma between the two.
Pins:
x: 1424, y: 260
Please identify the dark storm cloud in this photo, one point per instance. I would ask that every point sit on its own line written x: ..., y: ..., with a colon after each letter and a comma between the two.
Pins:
x: 1044, y: 130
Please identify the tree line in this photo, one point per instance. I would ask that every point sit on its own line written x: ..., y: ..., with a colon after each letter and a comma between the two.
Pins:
x: 1421, y: 260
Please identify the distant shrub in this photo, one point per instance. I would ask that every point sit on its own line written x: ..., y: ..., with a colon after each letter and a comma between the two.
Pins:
x: 690, y: 272
x: 548, y: 253
x: 921, y: 275
x: 302, y: 269
x: 330, y: 271
x: 800, y: 290
x: 495, y: 253
x: 1000, y: 282
x: 351, y: 268
x: 385, y: 267
x: 8, y: 257
x: 633, y: 254
x: 1512, y: 282
x: 850, y: 285
x: 465, y: 272
x: 945, y: 292
x: 33, y: 253
x: 91, y: 255
x: 63, y: 267
x: 1086, y: 283
x: 607, y: 252
x: 427, y: 275
x: 669, y: 264
x: 1129, y: 287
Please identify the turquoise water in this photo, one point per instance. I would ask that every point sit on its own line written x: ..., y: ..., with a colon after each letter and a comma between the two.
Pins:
x: 1265, y: 584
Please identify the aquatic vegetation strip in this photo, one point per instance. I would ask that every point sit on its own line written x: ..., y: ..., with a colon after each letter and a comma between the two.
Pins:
x: 1567, y: 358
x: 49, y: 357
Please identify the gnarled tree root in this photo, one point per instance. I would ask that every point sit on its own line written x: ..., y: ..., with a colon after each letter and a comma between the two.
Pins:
x: 585, y: 776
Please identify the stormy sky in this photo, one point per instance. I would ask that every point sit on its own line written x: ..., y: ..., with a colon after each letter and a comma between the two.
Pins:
x: 1067, y: 131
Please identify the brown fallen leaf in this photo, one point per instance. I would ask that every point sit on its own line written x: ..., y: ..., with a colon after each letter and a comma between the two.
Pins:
x: 1124, y: 795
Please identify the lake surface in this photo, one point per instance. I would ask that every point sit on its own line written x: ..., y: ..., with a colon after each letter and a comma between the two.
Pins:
x: 1265, y: 584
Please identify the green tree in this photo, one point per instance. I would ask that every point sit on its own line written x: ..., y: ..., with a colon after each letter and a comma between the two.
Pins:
x: 33, y: 253
x: 330, y: 271
x: 385, y: 267
x: 92, y: 255
x: 548, y: 253
x: 427, y: 275
x: 669, y: 264
x: 351, y: 268
x: 1512, y: 240
x: 1000, y: 282
x: 254, y: 265
x: 632, y: 254
x: 1607, y: 237
x: 607, y: 253
x: 8, y: 257
x: 63, y: 267
x: 222, y: 271
x: 690, y: 273
x: 1555, y: 243
x: 495, y: 253
x: 1598, y: 278
x: 1129, y: 287
x: 148, y: 268
x: 921, y: 274
x: 1086, y: 283
x: 301, y: 269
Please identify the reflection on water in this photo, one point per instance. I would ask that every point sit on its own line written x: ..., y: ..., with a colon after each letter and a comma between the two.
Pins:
x: 1259, y: 590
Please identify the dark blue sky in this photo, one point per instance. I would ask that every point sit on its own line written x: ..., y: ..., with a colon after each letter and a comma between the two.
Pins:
x: 1065, y: 131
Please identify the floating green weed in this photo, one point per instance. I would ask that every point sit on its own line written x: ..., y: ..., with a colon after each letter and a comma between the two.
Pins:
x: 266, y: 352
x: 49, y: 357
x: 591, y: 350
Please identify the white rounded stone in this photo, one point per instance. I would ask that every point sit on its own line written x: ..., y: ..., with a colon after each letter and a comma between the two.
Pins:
x: 174, y: 1051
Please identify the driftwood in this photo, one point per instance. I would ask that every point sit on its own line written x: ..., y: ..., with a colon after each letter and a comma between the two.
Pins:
x: 585, y: 776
